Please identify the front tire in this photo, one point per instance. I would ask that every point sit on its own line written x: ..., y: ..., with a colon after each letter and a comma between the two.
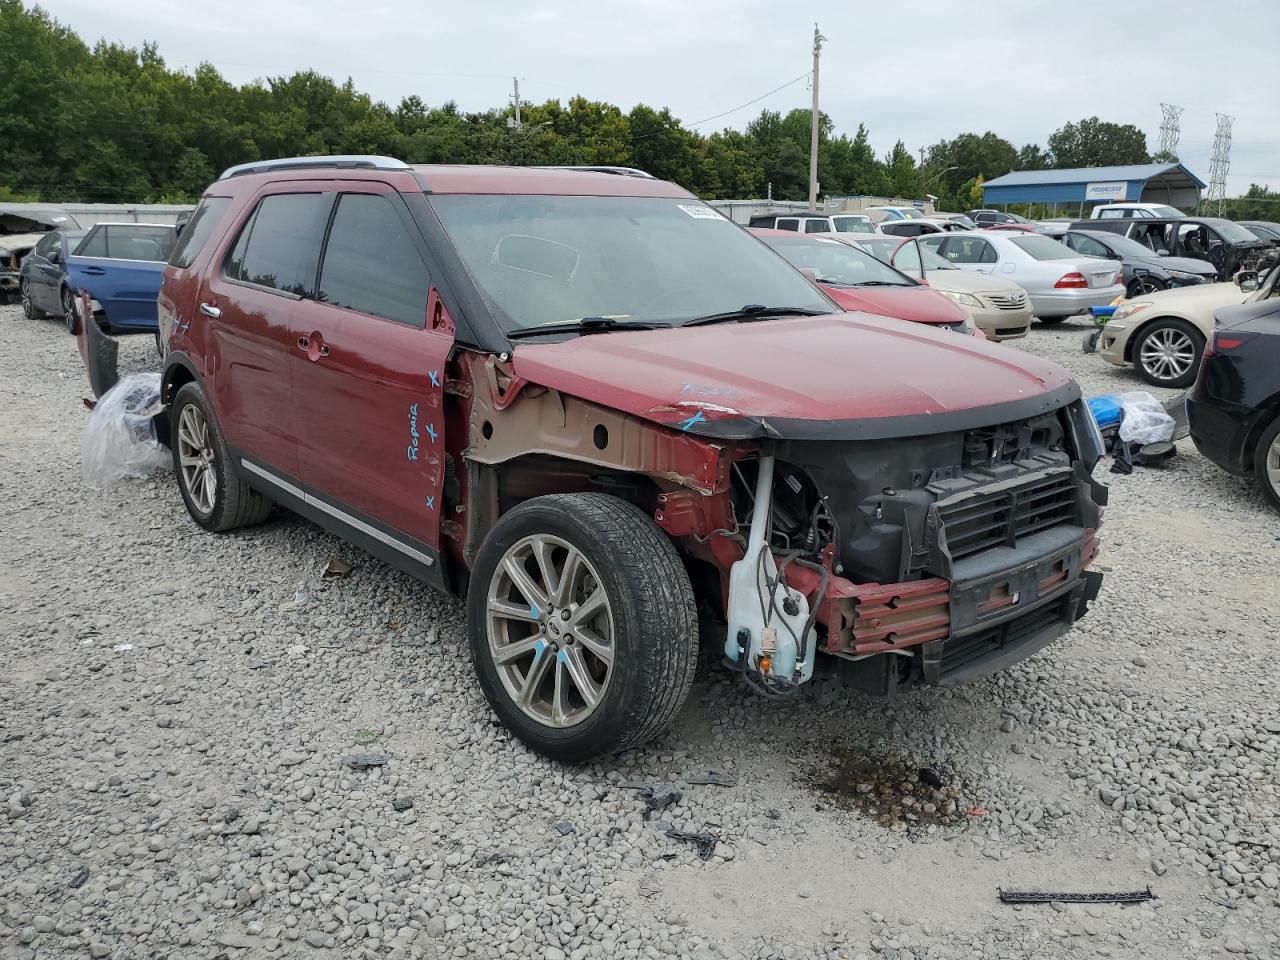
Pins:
x: 1141, y: 286
x: 70, y: 315
x: 1266, y: 462
x: 216, y: 497
x: 1167, y: 353
x: 582, y: 624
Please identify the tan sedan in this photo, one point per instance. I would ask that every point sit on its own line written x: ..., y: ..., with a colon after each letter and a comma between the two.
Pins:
x: 1000, y: 308
x: 1163, y: 334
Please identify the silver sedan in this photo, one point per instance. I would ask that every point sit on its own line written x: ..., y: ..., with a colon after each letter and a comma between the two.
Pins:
x: 1059, y: 281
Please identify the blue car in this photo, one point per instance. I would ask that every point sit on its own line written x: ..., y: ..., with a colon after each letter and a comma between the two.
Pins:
x: 118, y: 264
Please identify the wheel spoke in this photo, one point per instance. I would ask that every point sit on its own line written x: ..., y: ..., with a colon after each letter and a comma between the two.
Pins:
x: 564, y: 587
x: 533, y: 679
x: 601, y: 648
x: 589, y: 607
x: 512, y: 611
x: 524, y: 583
x: 576, y: 667
x: 514, y: 651
x: 546, y: 568
x: 189, y: 461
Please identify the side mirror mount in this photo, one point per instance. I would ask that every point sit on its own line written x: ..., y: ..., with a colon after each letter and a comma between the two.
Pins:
x: 811, y: 273
x: 1247, y: 280
x: 55, y: 255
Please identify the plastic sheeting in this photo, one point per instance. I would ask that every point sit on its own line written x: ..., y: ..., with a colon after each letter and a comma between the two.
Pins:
x: 1145, y: 419
x: 119, y: 440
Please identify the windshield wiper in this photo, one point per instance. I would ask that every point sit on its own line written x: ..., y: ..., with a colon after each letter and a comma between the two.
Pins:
x: 584, y: 325
x: 881, y: 283
x: 753, y: 311
x: 829, y: 282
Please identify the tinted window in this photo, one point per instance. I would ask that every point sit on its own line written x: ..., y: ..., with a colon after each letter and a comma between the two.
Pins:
x: 1086, y: 245
x: 968, y: 250
x: 370, y: 263
x: 788, y: 224
x: 817, y: 226
x: 94, y: 245
x: 46, y: 244
x: 129, y: 242
x: 276, y: 248
x: 198, y: 230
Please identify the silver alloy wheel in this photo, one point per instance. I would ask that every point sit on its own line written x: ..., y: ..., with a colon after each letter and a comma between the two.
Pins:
x: 24, y: 291
x: 69, y: 317
x: 550, y: 630
x: 1167, y: 353
x: 1273, y: 464
x: 195, y: 453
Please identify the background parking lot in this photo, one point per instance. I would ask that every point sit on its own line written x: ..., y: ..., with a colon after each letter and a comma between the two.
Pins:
x: 210, y: 749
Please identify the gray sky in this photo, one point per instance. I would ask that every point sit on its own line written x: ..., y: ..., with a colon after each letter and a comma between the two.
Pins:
x: 920, y: 70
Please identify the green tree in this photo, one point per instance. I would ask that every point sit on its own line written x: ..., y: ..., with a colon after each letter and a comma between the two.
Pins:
x: 1031, y: 157
x: 953, y: 164
x: 900, y: 166
x: 1097, y: 143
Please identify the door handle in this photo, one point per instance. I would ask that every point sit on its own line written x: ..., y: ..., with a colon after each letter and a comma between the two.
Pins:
x: 94, y: 271
x: 209, y: 310
x: 304, y: 342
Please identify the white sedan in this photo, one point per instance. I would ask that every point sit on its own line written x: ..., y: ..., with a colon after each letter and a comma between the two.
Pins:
x: 1059, y: 281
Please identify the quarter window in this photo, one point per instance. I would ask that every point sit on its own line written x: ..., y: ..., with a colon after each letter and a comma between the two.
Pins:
x: 197, y: 232
x: 276, y: 246
x: 371, y: 264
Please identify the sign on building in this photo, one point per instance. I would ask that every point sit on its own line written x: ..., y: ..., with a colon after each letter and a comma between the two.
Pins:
x: 1106, y: 190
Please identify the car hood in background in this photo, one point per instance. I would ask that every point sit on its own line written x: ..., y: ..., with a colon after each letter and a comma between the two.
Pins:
x: 839, y: 376
x: 962, y: 281
x: 1211, y: 295
x: 1182, y: 264
x: 917, y: 304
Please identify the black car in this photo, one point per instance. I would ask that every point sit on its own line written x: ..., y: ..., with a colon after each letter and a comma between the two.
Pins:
x: 1223, y: 243
x: 1144, y: 270
x: 1266, y: 229
x: 42, y: 277
x: 988, y: 218
x: 1234, y: 408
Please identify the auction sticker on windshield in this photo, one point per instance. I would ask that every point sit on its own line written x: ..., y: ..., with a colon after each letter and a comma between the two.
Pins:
x: 699, y: 212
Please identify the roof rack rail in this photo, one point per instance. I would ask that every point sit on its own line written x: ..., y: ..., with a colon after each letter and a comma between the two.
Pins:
x: 352, y: 162
x: 619, y: 171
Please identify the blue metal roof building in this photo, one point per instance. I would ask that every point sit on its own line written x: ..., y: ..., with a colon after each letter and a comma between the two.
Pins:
x: 1170, y: 183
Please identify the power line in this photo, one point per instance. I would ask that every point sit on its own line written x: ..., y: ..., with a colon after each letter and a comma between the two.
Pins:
x: 743, y: 106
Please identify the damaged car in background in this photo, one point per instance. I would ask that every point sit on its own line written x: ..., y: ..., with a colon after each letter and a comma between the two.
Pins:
x: 615, y: 421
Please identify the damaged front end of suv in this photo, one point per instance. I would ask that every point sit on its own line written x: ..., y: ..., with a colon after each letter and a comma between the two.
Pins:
x: 913, y: 538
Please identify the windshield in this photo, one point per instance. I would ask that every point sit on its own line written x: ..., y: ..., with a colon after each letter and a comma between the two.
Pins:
x: 1044, y: 248
x: 550, y: 259
x: 1264, y: 233
x: 1233, y: 232
x: 837, y: 263
x: 848, y: 224
x: 964, y: 222
x: 910, y: 213
x: 1162, y: 211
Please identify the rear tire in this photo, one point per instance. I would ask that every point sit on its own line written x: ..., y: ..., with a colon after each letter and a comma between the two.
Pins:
x: 216, y: 497
x: 1167, y: 353
x: 29, y: 310
x: 70, y: 316
x: 1266, y: 462
x: 635, y: 643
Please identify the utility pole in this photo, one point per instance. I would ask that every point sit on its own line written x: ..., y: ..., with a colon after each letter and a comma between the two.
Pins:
x: 813, y: 123
x: 515, y: 96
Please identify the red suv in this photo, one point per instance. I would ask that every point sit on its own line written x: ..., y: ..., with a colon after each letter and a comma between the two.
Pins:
x: 614, y: 420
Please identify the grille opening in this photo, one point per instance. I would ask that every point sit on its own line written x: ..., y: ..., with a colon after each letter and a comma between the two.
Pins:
x: 982, y: 521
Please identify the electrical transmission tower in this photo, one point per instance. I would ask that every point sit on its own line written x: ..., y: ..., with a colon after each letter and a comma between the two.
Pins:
x: 1169, y: 130
x: 1220, y: 162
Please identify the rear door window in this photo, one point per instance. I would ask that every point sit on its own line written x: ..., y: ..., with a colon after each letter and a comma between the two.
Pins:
x: 129, y: 242
x: 370, y: 262
x: 198, y: 230
x: 278, y: 246
x: 817, y: 226
x: 788, y: 223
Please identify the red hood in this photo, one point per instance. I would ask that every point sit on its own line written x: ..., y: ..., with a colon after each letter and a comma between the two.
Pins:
x: 800, y: 377
x: 918, y: 304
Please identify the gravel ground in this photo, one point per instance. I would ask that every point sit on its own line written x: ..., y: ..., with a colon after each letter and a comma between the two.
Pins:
x: 207, y: 749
